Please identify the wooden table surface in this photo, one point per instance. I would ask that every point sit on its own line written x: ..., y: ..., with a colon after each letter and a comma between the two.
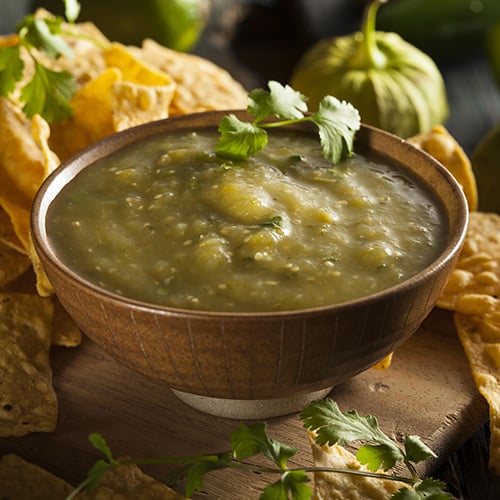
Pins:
x: 428, y: 390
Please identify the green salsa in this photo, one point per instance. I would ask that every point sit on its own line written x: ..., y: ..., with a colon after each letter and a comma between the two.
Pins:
x: 166, y: 221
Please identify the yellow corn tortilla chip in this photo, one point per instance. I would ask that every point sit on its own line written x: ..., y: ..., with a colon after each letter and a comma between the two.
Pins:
x: 440, y: 144
x: 40, y: 130
x: 21, y: 480
x: 134, y: 104
x: 201, y: 85
x: 43, y: 286
x: 28, y: 401
x: 17, y: 207
x: 8, y: 236
x: 134, y: 69
x: 481, y: 343
x: 86, y: 42
x: 129, y: 482
x: 9, y: 40
x: 384, y: 363
x: 12, y: 265
x: 65, y: 333
x: 93, y: 105
x: 331, y: 486
x: 20, y: 158
x: 474, y: 285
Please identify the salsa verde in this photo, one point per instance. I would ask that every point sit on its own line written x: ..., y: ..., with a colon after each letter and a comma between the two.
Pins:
x: 166, y: 221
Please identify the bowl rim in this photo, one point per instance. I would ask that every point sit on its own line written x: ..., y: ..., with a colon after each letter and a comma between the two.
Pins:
x: 87, y: 156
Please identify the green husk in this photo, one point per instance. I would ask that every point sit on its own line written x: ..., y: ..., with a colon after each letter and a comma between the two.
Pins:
x: 394, y: 85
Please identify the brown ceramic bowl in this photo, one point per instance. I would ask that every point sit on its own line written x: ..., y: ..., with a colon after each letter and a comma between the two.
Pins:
x: 253, y: 365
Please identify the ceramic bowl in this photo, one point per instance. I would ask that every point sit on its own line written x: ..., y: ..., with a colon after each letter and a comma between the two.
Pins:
x: 253, y: 365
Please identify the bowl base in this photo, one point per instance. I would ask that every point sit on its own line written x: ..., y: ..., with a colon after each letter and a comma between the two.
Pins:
x: 249, y: 409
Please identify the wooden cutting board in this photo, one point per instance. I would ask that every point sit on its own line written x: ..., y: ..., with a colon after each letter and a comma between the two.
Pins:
x: 428, y: 390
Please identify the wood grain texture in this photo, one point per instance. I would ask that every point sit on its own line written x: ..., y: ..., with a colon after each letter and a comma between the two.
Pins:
x: 428, y: 391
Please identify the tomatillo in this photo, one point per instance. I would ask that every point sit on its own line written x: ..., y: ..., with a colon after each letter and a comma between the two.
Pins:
x: 394, y: 85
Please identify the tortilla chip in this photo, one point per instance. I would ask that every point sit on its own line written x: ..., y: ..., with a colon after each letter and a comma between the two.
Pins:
x: 133, y: 68
x: 441, y: 145
x: 331, y: 486
x: 201, y: 84
x: 8, y: 236
x: 17, y: 207
x: 135, y: 104
x: 384, y: 363
x: 129, y: 482
x: 93, y: 106
x: 86, y: 42
x: 21, y: 480
x: 27, y: 399
x: 65, y: 333
x: 12, y: 265
x: 481, y: 343
x: 474, y: 285
x: 20, y: 158
x: 9, y: 40
x: 40, y: 130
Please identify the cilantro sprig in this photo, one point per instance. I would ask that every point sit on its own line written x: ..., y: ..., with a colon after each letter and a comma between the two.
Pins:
x: 48, y: 93
x: 330, y: 425
x: 337, y: 123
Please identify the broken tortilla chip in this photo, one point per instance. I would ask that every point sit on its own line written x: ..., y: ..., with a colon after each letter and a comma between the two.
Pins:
x: 40, y: 130
x: 93, y: 106
x: 8, y: 236
x: 201, y: 85
x: 133, y: 68
x: 12, y: 265
x: 440, y: 144
x: 22, y: 480
x: 135, y: 104
x: 20, y: 158
x: 27, y: 399
x: 474, y: 285
x: 129, y: 482
x: 334, y: 486
x: 481, y: 343
x: 65, y: 333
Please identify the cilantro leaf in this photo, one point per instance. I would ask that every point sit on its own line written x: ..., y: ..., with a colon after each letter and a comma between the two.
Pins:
x: 280, y: 101
x: 48, y: 94
x: 416, y: 450
x: 248, y: 441
x: 333, y: 426
x: 95, y: 474
x: 44, y: 34
x: 428, y: 489
x: 196, y: 473
x: 337, y: 121
x: 99, y: 443
x: 239, y: 140
x: 380, y: 456
x: 11, y: 69
x: 294, y: 483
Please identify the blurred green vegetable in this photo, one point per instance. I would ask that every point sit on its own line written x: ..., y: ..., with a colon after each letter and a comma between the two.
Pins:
x: 394, y: 85
x: 493, y: 50
x: 178, y: 24
x: 444, y: 29
x: 485, y: 162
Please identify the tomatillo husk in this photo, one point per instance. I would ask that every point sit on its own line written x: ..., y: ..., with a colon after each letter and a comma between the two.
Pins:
x: 394, y: 85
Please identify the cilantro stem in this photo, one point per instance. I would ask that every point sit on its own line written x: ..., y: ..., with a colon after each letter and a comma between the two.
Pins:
x: 282, y: 123
x: 80, y: 36
x: 369, y: 55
